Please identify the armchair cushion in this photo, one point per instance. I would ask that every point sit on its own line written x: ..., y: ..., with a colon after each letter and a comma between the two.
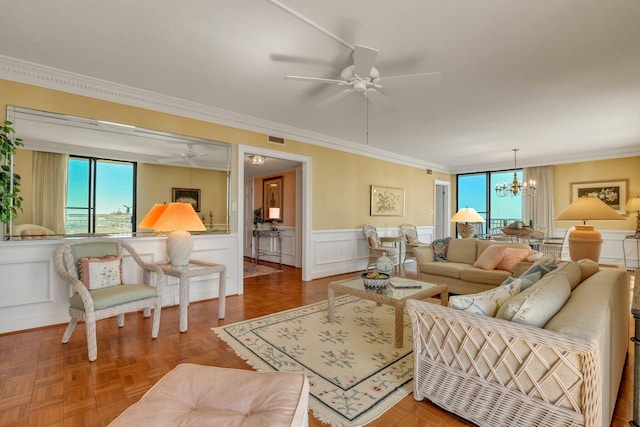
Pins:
x: 115, y: 295
x: 101, y: 272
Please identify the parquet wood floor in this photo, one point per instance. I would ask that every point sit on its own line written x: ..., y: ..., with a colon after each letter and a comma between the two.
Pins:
x: 46, y: 383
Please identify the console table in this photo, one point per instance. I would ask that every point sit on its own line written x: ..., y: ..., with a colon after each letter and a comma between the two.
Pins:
x: 271, y: 235
x: 193, y: 269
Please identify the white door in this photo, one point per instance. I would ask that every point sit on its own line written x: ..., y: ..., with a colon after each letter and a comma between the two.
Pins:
x: 441, y: 207
x: 248, y: 219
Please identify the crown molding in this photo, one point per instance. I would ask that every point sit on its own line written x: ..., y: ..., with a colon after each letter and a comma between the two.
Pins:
x: 52, y: 78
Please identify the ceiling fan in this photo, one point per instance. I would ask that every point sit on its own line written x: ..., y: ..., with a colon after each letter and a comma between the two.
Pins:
x: 362, y: 77
x: 189, y: 157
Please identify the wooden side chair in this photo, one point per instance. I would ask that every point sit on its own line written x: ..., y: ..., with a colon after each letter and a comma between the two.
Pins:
x: 410, y: 234
x: 376, y: 250
x: 93, y: 269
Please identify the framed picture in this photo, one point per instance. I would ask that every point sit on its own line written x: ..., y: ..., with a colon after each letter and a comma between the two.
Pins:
x: 272, y: 199
x: 187, y: 195
x: 387, y: 201
x: 612, y: 193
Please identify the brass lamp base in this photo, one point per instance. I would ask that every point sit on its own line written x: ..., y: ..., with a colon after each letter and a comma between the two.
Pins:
x: 585, y: 242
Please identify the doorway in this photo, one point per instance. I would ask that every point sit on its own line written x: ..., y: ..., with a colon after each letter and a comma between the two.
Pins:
x: 303, y: 202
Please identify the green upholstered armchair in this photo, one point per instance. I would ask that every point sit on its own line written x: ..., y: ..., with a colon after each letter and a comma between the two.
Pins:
x: 93, y: 268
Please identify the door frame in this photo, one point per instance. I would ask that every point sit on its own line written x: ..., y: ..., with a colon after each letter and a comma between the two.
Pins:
x: 303, y: 193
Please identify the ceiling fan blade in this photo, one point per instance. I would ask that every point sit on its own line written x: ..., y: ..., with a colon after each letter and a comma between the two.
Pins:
x: 410, y: 79
x: 277, y: 57
x: 363, y: 60
x: 335, y: 98
x: 316, y: 79
x: 376, y: 97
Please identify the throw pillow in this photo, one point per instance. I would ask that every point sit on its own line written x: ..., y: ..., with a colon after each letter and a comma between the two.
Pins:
x: 588, y: 268
x: 526, y: 280
x: 440, y: 247
x: 542, y: 268
x: 534, y: 256
x: 487, y: 302
x: 536, y: 305
x: 373, y: 242
x: 490, y: 257
x: 411, y: 240
x: 511, y: 257
x: 101, y: 272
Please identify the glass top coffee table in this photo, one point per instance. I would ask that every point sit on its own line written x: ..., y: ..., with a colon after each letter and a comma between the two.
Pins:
x: 396, y: 295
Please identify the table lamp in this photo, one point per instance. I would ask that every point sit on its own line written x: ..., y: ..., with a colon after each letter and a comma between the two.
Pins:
x: 274, y: 214
x: 634, y: 205
x: 466, y: 215
x: 179, y: 219
x: 152, y: 216
x: 585, y: 241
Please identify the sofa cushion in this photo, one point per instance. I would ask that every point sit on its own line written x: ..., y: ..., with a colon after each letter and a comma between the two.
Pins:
x: 490, y: 257
x: 446, y: 269
x: 571, y: 271
x: 588, y: 268
x: 545, y: 268
x: 539, y: 303
x: 511, y: 257
x: 526, y: 281
x: 488, y: 277
x: 462, y: 250
x: 487, y: 302
x: 440, y: 248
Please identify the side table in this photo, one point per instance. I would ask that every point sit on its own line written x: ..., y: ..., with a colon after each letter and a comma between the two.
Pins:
x: 193, y: 269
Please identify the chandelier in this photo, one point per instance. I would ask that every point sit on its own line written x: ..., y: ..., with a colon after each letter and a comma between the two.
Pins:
x: 256, y: 160
x: 516, y: 188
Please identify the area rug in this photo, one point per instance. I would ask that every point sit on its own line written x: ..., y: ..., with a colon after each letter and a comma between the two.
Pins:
x: 252, y: 270
x: 355, y: 372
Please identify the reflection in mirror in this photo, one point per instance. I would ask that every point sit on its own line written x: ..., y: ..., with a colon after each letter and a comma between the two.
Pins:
x: 84, y: 177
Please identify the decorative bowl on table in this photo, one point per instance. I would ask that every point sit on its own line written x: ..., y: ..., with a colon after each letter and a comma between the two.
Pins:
x: 374, y: 281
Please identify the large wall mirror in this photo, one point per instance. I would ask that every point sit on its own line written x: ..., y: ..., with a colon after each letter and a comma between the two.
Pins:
x: 89, y: 177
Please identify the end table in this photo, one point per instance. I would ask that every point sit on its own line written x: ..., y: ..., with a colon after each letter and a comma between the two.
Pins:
x: 193, y: 269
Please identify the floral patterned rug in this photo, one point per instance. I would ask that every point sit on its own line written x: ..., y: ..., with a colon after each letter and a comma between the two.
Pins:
x: 355, y: 373
x: 253, y: 270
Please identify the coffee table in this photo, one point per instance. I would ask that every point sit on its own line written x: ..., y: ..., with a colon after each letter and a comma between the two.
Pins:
x: 396, y: 295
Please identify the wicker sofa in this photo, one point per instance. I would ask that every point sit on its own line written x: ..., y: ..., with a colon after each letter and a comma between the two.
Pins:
x: 496, y: 372
x: 458, y: 271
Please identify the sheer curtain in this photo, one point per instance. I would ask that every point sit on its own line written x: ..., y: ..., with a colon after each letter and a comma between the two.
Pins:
x: 49, y: 190
x: 539, y: 208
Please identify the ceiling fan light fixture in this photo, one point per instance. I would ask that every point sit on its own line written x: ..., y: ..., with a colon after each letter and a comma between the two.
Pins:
x: 256, y: 160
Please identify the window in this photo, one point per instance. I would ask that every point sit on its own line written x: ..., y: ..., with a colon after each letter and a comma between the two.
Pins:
x: 100, y: 196
x: 476, y: 190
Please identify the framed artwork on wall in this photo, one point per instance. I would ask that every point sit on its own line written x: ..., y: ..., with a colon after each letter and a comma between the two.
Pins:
x: 272, y: 199
x: 387, y: 201
x: 187, y: 195
x: 612, y: 193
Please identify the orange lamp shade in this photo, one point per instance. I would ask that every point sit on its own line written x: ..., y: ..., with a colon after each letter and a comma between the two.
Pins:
x: 152, y: 216
x: 179, y: 216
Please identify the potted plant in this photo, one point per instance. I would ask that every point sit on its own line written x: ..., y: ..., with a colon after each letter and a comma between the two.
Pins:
x: 257, y: 218
x: 10, y: 199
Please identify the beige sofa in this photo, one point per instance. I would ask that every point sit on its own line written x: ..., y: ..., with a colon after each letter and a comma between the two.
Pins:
x: 497, y: 372
x: 458, y: 271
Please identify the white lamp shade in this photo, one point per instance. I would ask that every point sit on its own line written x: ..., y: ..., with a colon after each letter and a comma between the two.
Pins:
x: 274, y: 213
x: 588, y: 208
x: 467, y: 215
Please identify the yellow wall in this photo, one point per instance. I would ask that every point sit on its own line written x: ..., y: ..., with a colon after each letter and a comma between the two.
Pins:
x: 564, y: 175
x: 155, y: 183
x: 340, y: 181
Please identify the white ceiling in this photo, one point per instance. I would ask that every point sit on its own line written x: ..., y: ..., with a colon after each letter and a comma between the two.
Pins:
x: 558, y: 79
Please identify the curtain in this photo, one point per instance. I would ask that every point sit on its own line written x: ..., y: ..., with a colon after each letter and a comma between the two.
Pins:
x: 49, y: 190
x: 539, y: 208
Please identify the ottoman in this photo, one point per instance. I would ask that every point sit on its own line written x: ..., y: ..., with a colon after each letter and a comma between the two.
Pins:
x: 196, y: 395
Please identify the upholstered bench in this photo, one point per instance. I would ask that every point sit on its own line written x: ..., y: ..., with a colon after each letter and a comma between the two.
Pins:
x: 198, y: 395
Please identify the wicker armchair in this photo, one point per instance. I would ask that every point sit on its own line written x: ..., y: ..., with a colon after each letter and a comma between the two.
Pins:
x: 411, y: 241
x: 376, y: 250
x: 102, y: 301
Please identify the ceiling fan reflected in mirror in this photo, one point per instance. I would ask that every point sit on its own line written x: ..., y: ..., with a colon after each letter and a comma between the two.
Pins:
x: 362, y: 77
x: 187, y: 158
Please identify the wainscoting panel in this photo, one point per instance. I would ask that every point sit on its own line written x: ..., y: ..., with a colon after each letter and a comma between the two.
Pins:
x: 32, y: 294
